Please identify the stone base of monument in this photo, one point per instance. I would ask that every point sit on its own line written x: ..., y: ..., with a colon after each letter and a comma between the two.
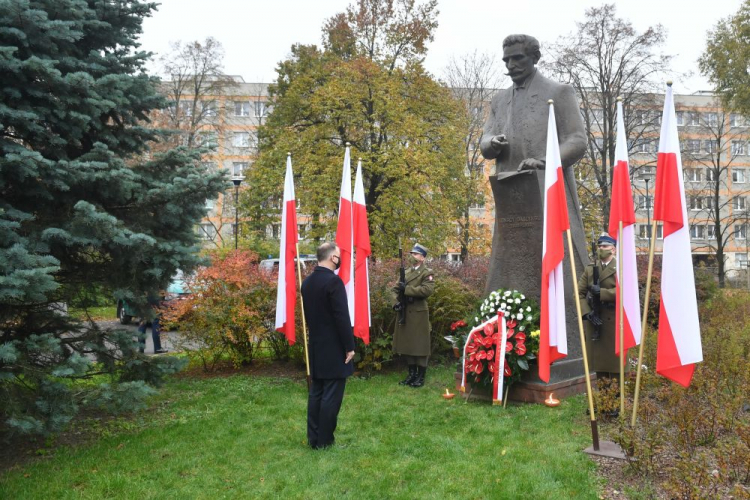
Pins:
x: 607, y: 449
x: 565, y: 380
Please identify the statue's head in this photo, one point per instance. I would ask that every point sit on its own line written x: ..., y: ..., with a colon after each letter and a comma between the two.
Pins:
x: 520, y: 54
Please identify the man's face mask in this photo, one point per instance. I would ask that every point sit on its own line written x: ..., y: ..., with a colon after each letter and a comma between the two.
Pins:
x: 337, y: 262
x: 413, y: 260
x: 604, y: 253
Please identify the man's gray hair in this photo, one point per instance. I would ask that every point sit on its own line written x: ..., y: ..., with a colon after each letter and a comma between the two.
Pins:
x: 325, y: 251
x: 531, y: 45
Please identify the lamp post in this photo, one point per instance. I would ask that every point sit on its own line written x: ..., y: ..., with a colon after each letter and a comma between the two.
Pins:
x: 646, y: 177
x: 237, y: 180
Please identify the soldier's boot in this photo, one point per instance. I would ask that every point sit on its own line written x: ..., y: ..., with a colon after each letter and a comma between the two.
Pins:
x: 419, y: 380
x: 411, y: 376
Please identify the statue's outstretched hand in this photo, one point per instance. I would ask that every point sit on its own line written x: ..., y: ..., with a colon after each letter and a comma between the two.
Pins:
x: 531, y: 164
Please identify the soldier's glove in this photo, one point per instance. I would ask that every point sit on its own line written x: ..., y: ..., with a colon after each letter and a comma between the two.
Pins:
x: 594, y: 319
x: 397, y: 306
x: 595, y: 289
x: 401, y: 286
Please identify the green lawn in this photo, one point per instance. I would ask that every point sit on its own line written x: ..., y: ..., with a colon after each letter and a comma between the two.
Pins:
x: 96, y: 313
x: 244, y: 437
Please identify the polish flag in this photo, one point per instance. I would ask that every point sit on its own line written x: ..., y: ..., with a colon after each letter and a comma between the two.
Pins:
x: 286, y: 293
x: 344, y: 237
x: 553, y: 337
x: 362, y: 319
x: 622, y: 209
x: 679, y: 344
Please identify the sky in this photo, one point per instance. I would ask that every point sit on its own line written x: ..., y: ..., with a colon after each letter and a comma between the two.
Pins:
x: 257, y: 34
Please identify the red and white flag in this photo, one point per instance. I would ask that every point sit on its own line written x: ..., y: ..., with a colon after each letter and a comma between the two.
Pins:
x: 344, y: 236
x: 553, y: 336
x: 679, y: 344
x: 362, y: 319
x: 622, y: 209
x: 286, y: 293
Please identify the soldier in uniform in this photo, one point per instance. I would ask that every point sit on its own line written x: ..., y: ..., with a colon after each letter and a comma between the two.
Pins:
x: 412, y: 340
x: 601, y: 350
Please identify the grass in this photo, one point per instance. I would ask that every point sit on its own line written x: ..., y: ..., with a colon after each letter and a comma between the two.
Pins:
x: 96, y: 313
x: 244, y: 437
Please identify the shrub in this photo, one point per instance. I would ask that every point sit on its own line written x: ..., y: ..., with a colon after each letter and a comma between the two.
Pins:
x: 229, y: 310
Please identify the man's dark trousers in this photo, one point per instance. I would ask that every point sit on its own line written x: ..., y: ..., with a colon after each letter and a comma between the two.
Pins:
x: 323, y: 405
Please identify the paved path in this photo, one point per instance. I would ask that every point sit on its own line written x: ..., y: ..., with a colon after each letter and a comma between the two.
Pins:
x: 168, y: 339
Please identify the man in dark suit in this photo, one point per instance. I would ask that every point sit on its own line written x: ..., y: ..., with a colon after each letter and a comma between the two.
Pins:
x: 331, y: 345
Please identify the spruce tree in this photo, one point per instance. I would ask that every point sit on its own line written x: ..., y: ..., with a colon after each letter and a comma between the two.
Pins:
x: 83, y: 206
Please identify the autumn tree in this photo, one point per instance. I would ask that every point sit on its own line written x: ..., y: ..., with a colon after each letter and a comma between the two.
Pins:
x: 603, y: 59
x: 474, y: 78
x: 365, y: 86
x: 727, y: 59
x: 713, y: 201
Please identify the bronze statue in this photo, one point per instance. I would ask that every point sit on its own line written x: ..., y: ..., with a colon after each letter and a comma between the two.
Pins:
x: 515, y: 135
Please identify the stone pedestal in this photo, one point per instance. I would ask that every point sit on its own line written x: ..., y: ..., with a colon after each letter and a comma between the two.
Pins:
x: 516, y: 263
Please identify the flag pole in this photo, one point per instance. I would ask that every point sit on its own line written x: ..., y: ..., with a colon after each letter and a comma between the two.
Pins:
x: 304, y: 323
x: 644, y: 323
x: 594, y: 427
x: 621, y: 325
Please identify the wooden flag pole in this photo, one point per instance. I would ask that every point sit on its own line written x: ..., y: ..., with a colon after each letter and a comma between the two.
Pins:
x: 621, y: 325
x: 644, y: 323
x: 594, y: 427
x: 304, y: 323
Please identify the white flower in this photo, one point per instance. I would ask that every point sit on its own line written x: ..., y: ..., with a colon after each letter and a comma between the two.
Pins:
x: 528, y: 309
x: 507, y: 293
x: 521, y: 328
x: 520, y: 310
x: 518, y: 301
x: 519, y: 317
x: 528, y: 318
x: 503, y: 306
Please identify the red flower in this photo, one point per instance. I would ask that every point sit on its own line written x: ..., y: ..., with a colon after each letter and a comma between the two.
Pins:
x: 489, y: 328
x: 511, y: 324
x: 507, y: 370
x: 478, y: 368
x: 521, y: 337
x: 520, y: 349
x: 460, y: 323
x: 490, y: 355
x: 508, y: 346
x: 482, y: 355
x: 491, y: 367
x: 471, y: 356
x: 511, y: 332
x: 453, y: 326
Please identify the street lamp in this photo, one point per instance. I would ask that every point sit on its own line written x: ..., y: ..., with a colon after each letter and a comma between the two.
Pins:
x: 646, y: 176
x: 237, y: 180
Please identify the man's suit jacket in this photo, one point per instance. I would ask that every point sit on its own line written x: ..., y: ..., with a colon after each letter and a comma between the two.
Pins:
x: 329, y: 325
x: 523, y: 119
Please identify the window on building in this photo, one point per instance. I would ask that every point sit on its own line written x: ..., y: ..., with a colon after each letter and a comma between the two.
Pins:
x: 210, y: 204
x: 738, y: 148
x: 645, y: 202
x: 712, y: 119
x: 659, y: 232
x: 260, y: 109
x: 239, y: 168
x: 206, y: 139
x: 738, y: 175
x: 596, y: 114
x: 186, y: 108
x: 209, y: 108
x: 711, y: 146
x: 711, y: 232
x: 241, y: 108
x: 694, y: 119
x: 207, y: 231
x: 645, y: 146
x: 697, y: 203
x: 740, y: 231
x: 738, y: 204
x: 711, y: 174
x: 241, y: 140
x: 209, y: 165
x: 276, y: 231
x: 697, y: 232
x: 740, y: 259
x: 643, y: 231
x: 736, y: 120
x: 693, y: 146
x: 301, y: 229
x: 693, y: 174
x: 680, y: 115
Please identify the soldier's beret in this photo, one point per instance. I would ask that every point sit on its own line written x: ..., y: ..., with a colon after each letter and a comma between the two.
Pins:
x: 419, y: 249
